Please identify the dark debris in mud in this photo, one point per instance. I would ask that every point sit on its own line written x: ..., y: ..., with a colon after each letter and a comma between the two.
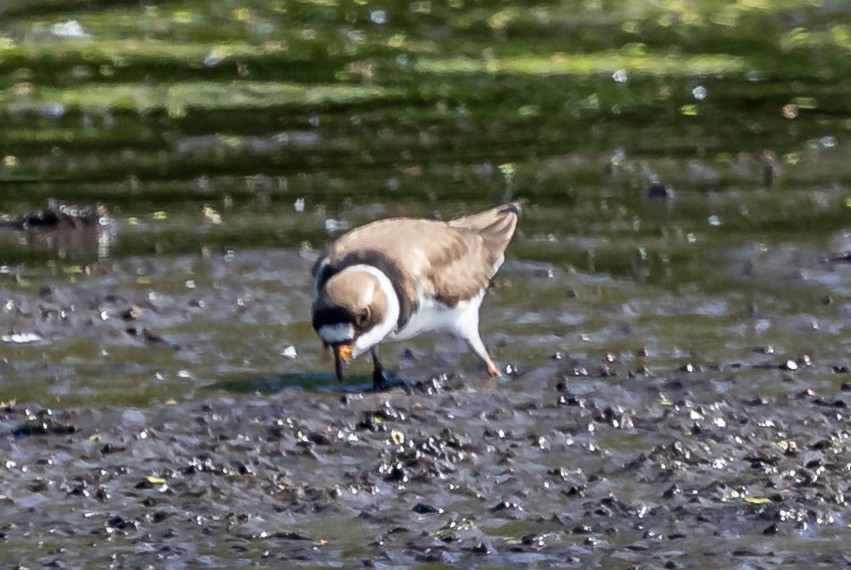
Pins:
x: 441, y: 473
x: 56, y: 214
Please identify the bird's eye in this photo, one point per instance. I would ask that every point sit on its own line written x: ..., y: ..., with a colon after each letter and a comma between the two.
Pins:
x: 362, y: 317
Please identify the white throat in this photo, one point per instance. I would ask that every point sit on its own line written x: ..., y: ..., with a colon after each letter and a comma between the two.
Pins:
x: 387, y: 325
x: 332, y: 334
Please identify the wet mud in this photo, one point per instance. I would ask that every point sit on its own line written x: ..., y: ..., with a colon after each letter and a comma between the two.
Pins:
x: 177, y: 412
x: 558, y: 468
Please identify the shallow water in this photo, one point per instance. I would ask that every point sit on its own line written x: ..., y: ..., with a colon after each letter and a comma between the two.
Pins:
x: 680, y: 259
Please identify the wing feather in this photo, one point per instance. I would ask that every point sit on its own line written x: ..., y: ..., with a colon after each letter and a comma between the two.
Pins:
x: 451, y: 261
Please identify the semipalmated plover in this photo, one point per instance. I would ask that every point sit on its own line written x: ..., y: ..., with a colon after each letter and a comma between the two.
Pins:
x: 395, y: 278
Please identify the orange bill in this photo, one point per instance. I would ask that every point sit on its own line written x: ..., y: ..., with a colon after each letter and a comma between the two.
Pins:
x: 342, y: 354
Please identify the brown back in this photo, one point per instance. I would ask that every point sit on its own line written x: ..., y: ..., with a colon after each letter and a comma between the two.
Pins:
x: 451, y: 261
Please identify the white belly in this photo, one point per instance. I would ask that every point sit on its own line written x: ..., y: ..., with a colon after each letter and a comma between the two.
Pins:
x: 461, y: 320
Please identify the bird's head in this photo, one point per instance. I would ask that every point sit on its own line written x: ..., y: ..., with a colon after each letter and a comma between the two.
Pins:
x: 350, y: 314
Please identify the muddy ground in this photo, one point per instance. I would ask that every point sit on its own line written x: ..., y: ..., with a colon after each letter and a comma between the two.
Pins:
x: 176, y: 412
x: 577, y: 464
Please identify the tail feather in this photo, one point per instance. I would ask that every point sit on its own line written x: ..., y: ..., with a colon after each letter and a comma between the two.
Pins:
x: 482, y: 220
x: 496, y: 226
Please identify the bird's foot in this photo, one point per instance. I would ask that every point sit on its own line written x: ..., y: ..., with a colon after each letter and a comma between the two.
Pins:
x: 382, y: 381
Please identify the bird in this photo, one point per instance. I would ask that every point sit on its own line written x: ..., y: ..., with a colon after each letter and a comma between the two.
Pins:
x: 395, y: 278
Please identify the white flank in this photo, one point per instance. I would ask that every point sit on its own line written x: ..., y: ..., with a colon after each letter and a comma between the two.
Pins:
x: 388, y: 324
x: 332, y: 334
x: 462, y: 320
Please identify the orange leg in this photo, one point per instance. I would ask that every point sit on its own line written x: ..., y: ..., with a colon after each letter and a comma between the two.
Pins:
x: 493, y: 371
x: 475, y: 344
